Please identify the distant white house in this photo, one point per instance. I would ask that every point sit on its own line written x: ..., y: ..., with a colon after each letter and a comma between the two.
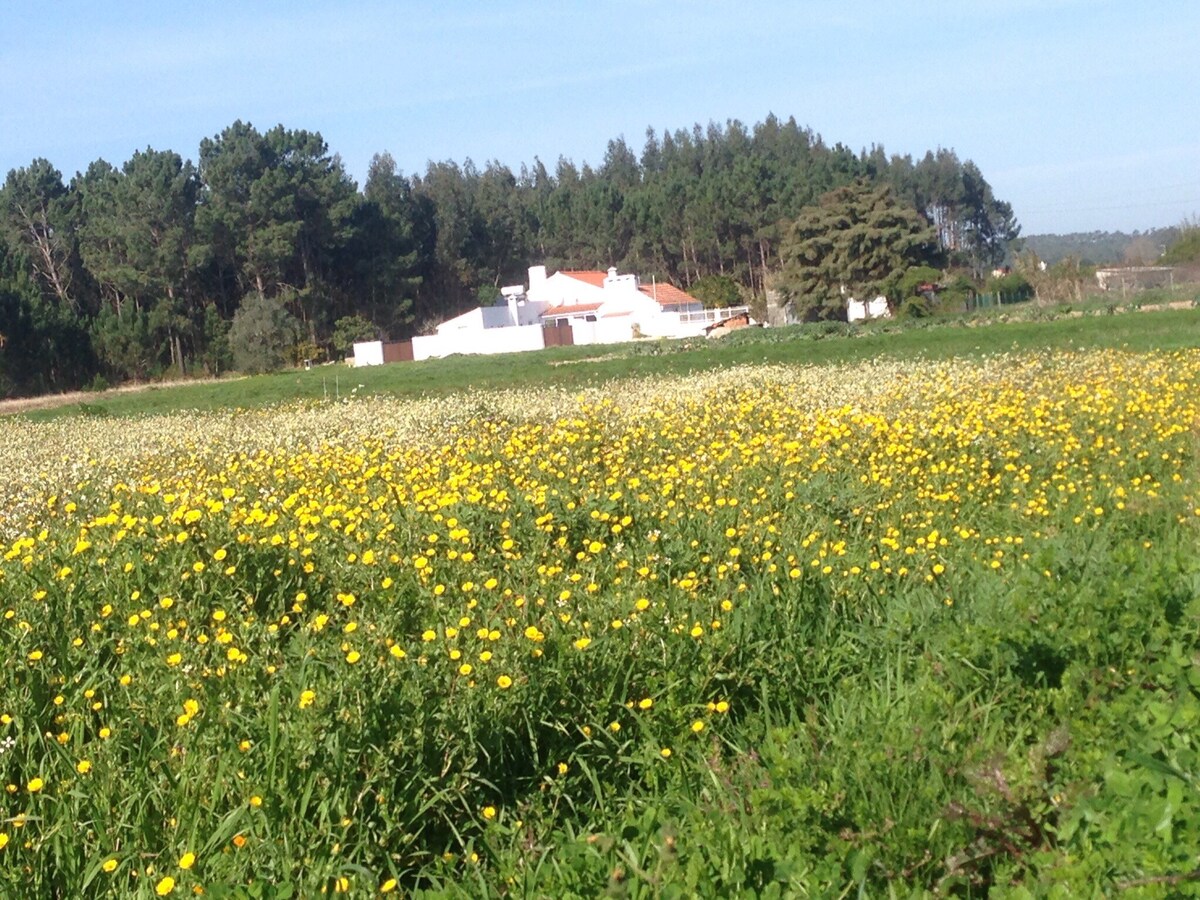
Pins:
x: 571, y: 307
x: 858, y: 310
x: 1135, y: 277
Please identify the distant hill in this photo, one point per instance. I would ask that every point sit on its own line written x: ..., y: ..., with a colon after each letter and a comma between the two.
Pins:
x: 1103, y: 247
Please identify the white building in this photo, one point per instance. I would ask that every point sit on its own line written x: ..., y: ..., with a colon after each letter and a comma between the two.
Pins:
x: 597, y: 307
x: 858, y: 310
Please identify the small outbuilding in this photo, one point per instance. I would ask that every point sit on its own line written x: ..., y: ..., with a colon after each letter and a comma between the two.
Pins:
x: 733, y: 323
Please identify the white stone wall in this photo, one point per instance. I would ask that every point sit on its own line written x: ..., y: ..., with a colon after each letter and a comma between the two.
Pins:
x: 368, y: 353
x: 602, y: 331
x: 515, y: 339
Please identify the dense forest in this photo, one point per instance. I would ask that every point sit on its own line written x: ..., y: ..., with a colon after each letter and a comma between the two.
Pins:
x: 142, y: 270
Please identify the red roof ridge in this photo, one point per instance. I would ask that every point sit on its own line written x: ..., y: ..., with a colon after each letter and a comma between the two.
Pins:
x: 664, y: 293
x: 568, y: 308
x: 588, y: 276
x: 667, y: 294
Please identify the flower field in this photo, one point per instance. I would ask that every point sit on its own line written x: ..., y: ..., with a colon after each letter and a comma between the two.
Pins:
x: 768, y: 630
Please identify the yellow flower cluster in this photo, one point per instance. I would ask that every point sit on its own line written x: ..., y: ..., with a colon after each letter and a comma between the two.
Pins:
x: 223, y: 585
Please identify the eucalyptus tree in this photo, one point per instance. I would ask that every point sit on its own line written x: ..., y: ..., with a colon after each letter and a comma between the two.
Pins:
x: 44, y: 344
x: 36, y: 211
x: 990, y: 225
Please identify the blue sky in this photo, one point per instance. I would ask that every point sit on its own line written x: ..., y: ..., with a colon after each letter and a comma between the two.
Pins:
x: 1084, y: 114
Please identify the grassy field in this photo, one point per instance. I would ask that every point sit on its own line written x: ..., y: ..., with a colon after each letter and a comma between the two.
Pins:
x: 922, y: 620
x: 582, y: 366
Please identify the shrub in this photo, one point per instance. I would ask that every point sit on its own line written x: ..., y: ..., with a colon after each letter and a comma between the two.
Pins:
x: 910, y: 283
x: 716, y: 290
x: 914, y: 308
x: 1011, y: 288
x: 348, y: 330
x: 261, y: 334
x: 1185, y: 248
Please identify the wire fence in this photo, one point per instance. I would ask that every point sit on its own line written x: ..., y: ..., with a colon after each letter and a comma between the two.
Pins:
x: 999, y: 298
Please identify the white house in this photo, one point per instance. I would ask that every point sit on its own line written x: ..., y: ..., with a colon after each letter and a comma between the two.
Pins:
x: 598, y: 307
x: 604, y: 307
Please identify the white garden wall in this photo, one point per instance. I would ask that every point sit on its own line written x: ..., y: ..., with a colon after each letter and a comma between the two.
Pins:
x: 515, y: 339
x: 368, y: 353
x: 602, y: 331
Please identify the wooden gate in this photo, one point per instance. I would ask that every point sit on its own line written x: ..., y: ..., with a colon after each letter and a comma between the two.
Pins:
x: 558, y: 335
x: 397, y: 351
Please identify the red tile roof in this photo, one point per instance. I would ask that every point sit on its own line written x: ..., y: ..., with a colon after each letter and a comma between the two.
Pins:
x: 570, y: 309
x: 596, y: 279
x: 667, y: 295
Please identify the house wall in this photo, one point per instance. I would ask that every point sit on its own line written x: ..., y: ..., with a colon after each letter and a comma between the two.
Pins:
x: 497, y: 317
x: 478, y: 318
x: 780, y: 312
x: 514, y: 339
x: 623, y: 283
x: 470, y: 319
x: 667, y: 325
x: 563, y: 290
x: 368, y: 353
x: 878, y: 308
x: 524, y: 311
x: 603, y: 331
x: 685, y: 324
x: 858, y: 310
x: 635, y: 303
x: 530, y: 312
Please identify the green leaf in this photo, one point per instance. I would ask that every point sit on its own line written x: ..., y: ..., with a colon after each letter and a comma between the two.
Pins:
x: 1158, y: 766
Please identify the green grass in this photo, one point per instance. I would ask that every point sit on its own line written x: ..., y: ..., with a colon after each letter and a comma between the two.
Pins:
x: 945, y: 644
x: 590, y: 365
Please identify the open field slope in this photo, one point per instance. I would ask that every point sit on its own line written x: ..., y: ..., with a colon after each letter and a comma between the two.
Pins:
x: 774, y: 630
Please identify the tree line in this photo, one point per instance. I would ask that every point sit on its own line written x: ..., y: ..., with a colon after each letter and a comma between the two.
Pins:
x: 160, y: 266
x: 1102, y: 248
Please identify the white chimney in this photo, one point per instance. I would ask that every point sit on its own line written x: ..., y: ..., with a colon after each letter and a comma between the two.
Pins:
x: 537, y: 275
